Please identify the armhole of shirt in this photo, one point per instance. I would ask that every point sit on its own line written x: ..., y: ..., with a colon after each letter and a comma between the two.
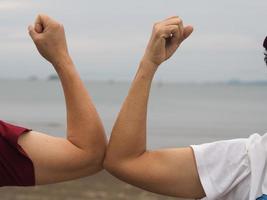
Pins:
x: 203, y: 173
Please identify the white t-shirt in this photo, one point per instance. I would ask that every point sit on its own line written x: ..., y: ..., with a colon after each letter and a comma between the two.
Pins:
x: 233, y: 169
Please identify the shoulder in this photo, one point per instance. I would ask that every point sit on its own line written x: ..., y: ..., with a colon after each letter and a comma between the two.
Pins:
x: 223, y: 167
x: 16, y: 169
x: 11, y: 132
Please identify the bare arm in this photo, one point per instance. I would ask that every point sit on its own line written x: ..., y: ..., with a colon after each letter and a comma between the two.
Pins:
x: 171, y: 172
x: 82, y: 153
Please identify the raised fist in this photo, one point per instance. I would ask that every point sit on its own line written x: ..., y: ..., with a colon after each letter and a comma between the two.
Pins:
x: 49, y: 38
x: 166, y: 37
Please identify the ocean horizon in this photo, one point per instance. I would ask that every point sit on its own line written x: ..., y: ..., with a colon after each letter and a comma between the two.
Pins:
x: 179, y: 114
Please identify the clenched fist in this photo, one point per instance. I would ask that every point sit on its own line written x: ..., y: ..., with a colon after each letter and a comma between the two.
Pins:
x: 49, y: 38
x: 166, y: 37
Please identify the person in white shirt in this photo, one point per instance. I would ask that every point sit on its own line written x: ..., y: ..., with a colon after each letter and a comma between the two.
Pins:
x: 225, y: 170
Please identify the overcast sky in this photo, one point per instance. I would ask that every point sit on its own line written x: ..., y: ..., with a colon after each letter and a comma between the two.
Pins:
x: 107, y: 38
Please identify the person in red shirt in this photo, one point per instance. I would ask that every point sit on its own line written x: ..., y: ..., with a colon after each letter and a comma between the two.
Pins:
x: 29, y: 157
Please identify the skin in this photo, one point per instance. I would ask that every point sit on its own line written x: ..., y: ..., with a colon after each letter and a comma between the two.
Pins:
x: 171, y: 172
x: 82, y: 152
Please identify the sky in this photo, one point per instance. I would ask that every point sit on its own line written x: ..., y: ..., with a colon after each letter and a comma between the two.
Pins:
x: 107, y: 39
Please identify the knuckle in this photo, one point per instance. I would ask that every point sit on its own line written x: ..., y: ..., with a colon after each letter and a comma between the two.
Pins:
x: 57, y: 25
x: 158, y: 33
x: 42, y: 15
x: 157, y: 29
x: 178, y: 20
x: 155, y: 25
x: 174, y: 29
x: 176, y: 17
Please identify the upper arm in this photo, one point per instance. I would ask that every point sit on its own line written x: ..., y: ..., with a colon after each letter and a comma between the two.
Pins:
x: 56, y: 159
x: 171, y: 172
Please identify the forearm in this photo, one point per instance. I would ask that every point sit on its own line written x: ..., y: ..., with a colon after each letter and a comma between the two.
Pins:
x: 130, y: 126
x: 84, y: 127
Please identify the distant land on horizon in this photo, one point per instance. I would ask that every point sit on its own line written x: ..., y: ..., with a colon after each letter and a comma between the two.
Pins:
x: 54, y: 77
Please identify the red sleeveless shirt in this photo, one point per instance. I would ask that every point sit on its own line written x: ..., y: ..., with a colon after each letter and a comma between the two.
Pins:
x: 16, y: 168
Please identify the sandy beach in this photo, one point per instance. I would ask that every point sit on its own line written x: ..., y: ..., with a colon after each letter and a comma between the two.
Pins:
x: 97, y: 187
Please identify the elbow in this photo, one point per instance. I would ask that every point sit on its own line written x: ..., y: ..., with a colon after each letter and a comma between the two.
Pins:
x: 93, y: 162
x: 122, y: 162
x: 111, y: 163
x: 107, y: 161
x: 116, y: 165
x: 95, y: 158
x: 92, y: 152
x: 97, y: 161
x: 108, y: 165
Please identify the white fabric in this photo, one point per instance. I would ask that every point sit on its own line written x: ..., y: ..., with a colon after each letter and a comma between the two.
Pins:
x: 233, y: 169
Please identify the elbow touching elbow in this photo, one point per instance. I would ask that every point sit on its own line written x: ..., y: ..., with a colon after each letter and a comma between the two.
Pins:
x: 93, y: 162
x: 96, y: 158
x: 92, y: 152
x: 107, y: 163
x: 111, y: 164
x: 119, y: 164
x: 116, y: 166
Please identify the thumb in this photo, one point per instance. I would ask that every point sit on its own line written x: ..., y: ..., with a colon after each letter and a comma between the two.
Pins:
x: 38, y: 28
x: 32, y: 32
x: 188, y: 31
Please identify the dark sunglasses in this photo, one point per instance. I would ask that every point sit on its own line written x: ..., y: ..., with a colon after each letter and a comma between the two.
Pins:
x: 265, y: 47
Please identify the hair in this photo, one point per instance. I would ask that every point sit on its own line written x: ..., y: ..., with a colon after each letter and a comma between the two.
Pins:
x: 265, y: 58
x: 265, y: 47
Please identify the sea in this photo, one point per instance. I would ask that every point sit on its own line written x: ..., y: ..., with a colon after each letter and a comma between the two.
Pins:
x: 179, y: 114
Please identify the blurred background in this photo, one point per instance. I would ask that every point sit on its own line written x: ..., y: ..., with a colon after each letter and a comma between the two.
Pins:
x: 213, y: 88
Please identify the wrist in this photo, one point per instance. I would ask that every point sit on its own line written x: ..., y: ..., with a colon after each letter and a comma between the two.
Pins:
x: 63, y: 62
x: 147, y: 70
x: 153, y: 59
x: 148, y: 65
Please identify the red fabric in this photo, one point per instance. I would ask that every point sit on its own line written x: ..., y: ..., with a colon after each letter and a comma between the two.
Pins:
x: 16, y: 168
